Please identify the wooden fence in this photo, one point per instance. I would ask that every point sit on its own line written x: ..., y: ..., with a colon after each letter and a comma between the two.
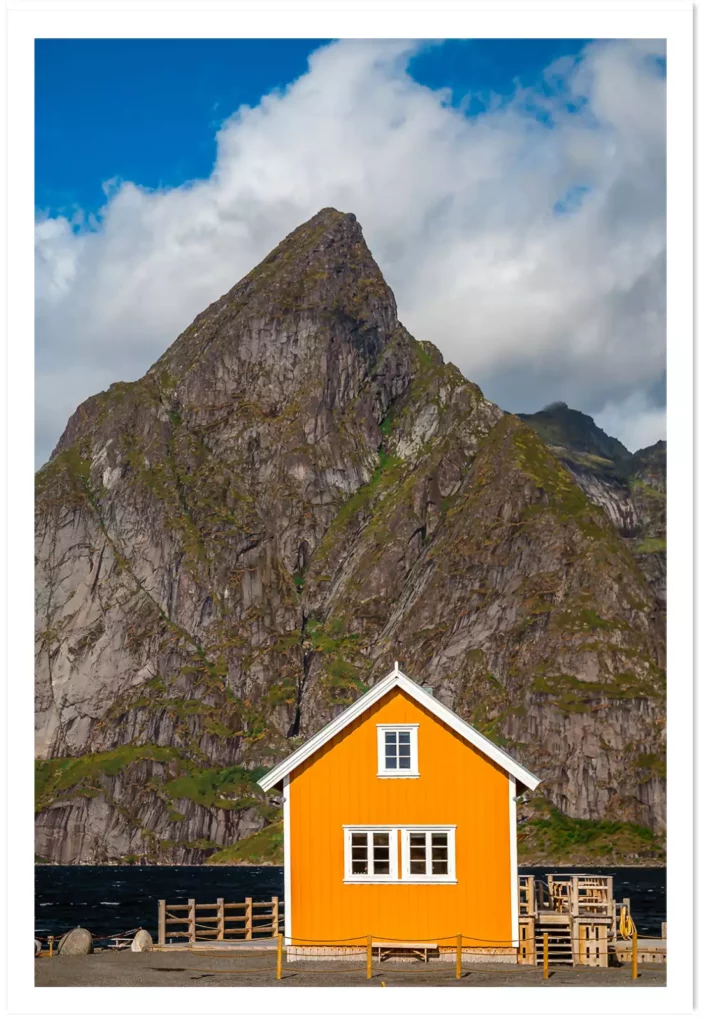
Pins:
x: 215, y: 922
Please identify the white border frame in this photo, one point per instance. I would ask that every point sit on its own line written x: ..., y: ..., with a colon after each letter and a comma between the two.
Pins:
x: 413, y: 772
x: 448, y: 879
x: 408, y: 19
x: 392, y: 832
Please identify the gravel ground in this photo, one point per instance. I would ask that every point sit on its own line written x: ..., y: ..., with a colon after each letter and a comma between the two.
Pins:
x: 144, y: 970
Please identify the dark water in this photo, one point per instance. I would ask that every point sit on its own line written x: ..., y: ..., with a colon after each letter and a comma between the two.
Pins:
x: 106, y: 900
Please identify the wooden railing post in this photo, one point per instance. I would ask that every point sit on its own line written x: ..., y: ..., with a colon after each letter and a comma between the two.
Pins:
x: 274, y: 916
x: 220, y: 919
x: 191, y: 921
x: 575, y: 909
x: 545, y: 956
x: 248, y: 918
x: 458, y: 956
x: 162, y: 922
x: 611, y: 904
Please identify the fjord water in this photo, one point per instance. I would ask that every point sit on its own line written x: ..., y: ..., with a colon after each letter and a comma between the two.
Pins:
x: 107, y: 900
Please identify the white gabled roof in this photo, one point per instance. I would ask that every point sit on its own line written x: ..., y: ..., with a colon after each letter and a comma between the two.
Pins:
x: 423, y: 697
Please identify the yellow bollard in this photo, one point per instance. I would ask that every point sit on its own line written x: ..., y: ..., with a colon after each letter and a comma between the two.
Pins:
x: 458, y: 956
x: 51, y: 945
x: 279, y: 957
x: 634, y: 954
x: 545, y: 956
x: 369, y: 953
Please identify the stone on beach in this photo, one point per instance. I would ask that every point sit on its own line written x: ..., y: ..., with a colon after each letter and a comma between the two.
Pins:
x: 142, y: 941
x: 77, y: 942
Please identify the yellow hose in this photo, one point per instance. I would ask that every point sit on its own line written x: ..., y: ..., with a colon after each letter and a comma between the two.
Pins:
x: 627, y: 925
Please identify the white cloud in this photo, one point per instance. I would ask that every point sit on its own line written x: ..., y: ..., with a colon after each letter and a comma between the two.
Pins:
x: 459, y: 212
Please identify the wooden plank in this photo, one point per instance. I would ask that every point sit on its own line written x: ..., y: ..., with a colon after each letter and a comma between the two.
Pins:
x: 206, y: 906
x: 235, y: 906
x: 177, y: 906
x: 248, y: 913
x: 275, y: 912
x: 162, y: 922
x: 220, y: 919
x: 191, y: 920
x: 405, y: 945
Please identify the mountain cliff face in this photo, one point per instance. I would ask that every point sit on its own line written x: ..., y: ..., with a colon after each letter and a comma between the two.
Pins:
x: 229, y: 550
x: 631, y: 489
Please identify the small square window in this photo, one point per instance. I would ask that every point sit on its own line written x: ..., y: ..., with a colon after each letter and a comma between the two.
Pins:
x: 397, y: 751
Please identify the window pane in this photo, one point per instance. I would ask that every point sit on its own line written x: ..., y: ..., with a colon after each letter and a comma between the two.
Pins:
x: 381, y: 853
x: 391, y: 750
x: 418, y: 859
x: 404, y: 762
x: 404, y: 737
x: 359, y: 853
x: 440, y: 853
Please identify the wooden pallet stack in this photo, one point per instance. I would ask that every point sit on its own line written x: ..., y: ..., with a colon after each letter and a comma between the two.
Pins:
x: 576, y: 913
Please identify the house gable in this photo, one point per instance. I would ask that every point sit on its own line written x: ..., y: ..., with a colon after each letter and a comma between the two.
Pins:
x: 397, y: 679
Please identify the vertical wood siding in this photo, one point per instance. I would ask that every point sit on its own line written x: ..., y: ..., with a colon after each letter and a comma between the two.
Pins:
x: 458, y: 786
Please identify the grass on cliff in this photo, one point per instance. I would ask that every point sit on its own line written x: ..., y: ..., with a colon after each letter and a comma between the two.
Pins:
x: 557, y: 839
x: 230, y: 788
x: 264, y: 847
x: 58, y: 775
x: 651, y: 546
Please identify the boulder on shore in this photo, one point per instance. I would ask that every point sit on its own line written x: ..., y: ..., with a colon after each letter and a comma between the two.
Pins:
x: 142, y: 941
x: 77, y: 942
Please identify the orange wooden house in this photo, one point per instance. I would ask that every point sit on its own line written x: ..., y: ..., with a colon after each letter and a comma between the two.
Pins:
x: 399, y: 823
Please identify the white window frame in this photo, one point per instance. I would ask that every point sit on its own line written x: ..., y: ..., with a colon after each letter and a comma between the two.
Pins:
x: 397, y: 773
x: 450, y: 877
x: 392, y: 833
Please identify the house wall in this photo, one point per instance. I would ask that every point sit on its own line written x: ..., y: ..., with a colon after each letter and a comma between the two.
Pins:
x: 458, y: 785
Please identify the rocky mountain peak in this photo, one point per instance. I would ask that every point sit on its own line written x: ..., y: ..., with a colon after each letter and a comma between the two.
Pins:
x: 559, y: 425
x: 230, y: 549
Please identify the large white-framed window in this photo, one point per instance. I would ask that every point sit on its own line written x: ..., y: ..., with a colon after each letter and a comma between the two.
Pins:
x: 370, y: 854
x: 428, y: 853
x: 397, y: 751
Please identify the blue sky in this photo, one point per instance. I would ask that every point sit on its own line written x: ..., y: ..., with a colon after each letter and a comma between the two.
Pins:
x: 152, y: 106
x: 512, y: 192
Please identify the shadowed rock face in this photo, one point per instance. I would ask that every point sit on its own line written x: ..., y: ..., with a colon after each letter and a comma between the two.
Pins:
x: 295, y: 495
x: 631, y: 489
